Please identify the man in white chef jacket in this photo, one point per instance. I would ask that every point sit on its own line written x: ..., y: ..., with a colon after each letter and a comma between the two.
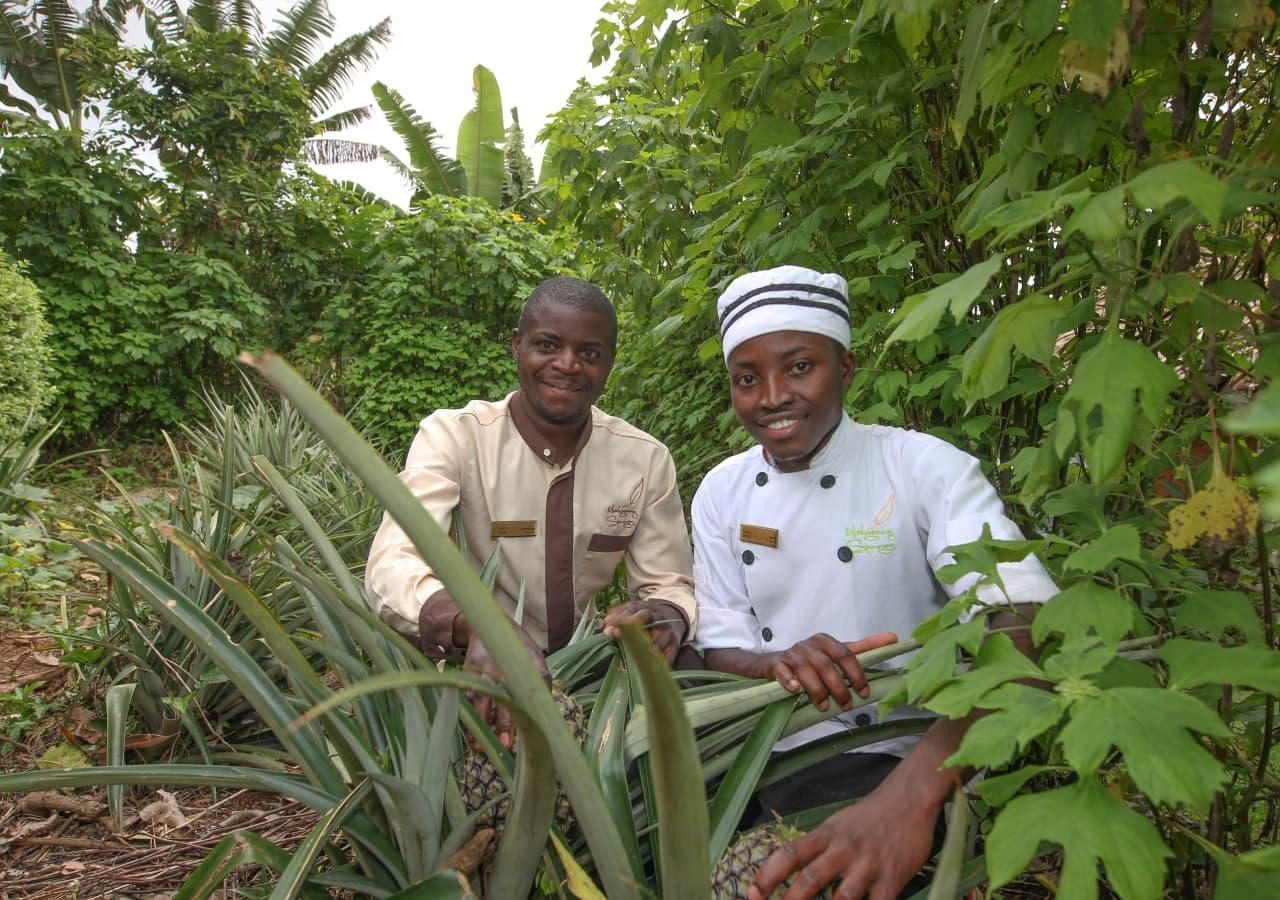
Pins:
x: 823, y: 542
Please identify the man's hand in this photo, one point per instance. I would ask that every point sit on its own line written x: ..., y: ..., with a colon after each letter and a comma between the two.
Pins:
x: 824, y: 667
x: 873, y: 847
x: 478, y: 660
x: 665, y: 622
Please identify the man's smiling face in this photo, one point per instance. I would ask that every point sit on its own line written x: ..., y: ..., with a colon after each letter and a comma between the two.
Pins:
x: 563, y: 357
x: 787, y: 389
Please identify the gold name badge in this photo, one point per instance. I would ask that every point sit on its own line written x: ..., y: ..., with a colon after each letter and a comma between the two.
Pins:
x: 758, y: 534
x: 522, y: 528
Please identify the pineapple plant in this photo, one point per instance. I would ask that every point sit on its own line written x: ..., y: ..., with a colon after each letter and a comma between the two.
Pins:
x: 732, y: 875
x: 484, y: 790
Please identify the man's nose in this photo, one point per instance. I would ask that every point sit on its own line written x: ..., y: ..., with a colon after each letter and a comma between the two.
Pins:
x: 775, y: 392
x: 566, y: 360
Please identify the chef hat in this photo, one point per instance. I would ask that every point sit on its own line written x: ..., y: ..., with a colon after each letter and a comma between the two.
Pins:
x: 787, y: 298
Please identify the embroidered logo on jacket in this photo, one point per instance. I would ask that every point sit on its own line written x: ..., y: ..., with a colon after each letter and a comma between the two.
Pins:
x: 876, y: 538
x: 626, y: 515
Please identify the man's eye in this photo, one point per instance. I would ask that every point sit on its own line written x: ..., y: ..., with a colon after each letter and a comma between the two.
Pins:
x: 801, y: 366
x: 591, y: 355
x: 745, y: 380
x: 546, y: 345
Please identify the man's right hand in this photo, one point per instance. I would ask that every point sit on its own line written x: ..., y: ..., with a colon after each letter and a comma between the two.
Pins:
x: 479, y: 660
x: 824, y: 667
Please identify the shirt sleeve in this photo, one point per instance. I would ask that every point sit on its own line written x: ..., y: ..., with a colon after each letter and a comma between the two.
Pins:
x: 397, y: 579
x: 725, y: 618
x: 957, y: 500
x: 659, y: 560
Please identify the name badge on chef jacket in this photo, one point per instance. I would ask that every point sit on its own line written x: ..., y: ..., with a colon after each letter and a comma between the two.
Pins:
x: 518, y: 528
x: 758, y: 534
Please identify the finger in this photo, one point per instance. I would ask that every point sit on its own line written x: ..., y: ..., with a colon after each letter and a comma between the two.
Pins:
x: 505, y: 726
x: 817, y: 684
x: 777, y: 869
x: 875, y: 642
x: 786, y: 676
x: 828, y: 657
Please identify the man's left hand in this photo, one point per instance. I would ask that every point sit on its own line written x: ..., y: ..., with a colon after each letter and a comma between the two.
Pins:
x: 665, y: 622
x: 873, y: 847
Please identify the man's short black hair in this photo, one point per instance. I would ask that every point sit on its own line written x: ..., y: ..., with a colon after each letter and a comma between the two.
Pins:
x: 575, y: 294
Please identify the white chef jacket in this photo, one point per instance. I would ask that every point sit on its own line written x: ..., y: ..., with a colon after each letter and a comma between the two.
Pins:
x: 860, y: 535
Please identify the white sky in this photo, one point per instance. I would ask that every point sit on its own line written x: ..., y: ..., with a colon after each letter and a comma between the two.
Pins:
x: 537, y: 49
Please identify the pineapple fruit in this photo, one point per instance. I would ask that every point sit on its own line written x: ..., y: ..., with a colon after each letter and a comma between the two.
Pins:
x: 479, y: 781
x: 733, y: 873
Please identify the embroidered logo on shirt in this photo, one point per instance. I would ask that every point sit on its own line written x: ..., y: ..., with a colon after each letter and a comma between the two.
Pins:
x: 866, y: 540
x: 626, y: 515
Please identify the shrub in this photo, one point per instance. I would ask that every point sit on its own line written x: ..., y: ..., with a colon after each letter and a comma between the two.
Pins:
x: 24, y: 352
x: 428, y: 323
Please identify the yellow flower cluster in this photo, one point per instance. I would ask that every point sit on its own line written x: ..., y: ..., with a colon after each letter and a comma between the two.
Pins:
x: 1221, y: 512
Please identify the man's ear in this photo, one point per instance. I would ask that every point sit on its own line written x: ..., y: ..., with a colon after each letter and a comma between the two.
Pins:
x: 515, y: 343
x: 847, y: 368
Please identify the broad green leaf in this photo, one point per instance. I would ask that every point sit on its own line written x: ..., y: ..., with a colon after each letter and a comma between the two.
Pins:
x: 533, y: 803
x: 1262, y: 416
x: 1218, y: 612
x: 973, y: 46
x: 1083, y: 608
x: 921, y: 313
x: 1117, y: 542
x: 771, y: 131
x: 478, y: 136
x: 1079, y: 658
x: 1040, y: 17
x: 1021, y: 714
x: 677, y: 775
x: 1092, y: 21
x: 1000, y: 790
x: 997, y: 662
x: 1152, y: 728
x: 1183, y: 179
x: 1028, y: 326
x: 936, y: 661
x: 1107, y: 380
x: 1101, y: 219
x: 1247, y: 876
x: 1092, y: 827
x: 1195, y: 663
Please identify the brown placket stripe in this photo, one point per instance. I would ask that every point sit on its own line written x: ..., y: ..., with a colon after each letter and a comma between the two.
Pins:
x: 559, y: 561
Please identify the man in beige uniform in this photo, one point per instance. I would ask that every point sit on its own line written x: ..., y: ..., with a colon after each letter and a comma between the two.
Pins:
x: 568, y: 490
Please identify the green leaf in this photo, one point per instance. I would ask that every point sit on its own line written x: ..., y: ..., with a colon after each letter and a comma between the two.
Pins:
x: 1028, y: 325
x: 1160, y: 185
x: 233, y: 851
x: 1105, y: 383
x: 921, y: 313
x: 1219, y: 612
x: 293, y: 880
x: 1117, y: 542
x: 1022, y: 713
x: 739, y: 782
x: 1079, y: 659
x: 443, y: 885
x: 1092, y: 827
x: 1082, y: 609
x: 677, y: 774
x: 1000, y: 790
x: 119, y: 696
x: 771, y: 131
x: 1039, y: 18
x: 1151, y: 727
x: 1101, y: 219
x: 936, y: 661
x: 973, y: 46
x: 997, y: 662
x: 1262, y: 416
x: 1091, y: 21
x: 1247, y: 876
x: 1196, y: 663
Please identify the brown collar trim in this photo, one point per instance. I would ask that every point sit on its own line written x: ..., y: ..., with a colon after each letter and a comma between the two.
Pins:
x: 534, y: 439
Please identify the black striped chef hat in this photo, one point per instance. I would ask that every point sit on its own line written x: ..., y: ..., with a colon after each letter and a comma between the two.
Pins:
x: 788, y: 298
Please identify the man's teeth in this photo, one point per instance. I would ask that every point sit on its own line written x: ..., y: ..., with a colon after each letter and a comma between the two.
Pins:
x: 781, y: 424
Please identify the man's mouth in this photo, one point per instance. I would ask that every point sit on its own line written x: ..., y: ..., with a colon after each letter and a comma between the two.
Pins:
x: 780, y: 425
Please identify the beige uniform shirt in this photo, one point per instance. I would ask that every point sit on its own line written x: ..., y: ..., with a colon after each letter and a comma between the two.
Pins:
x: 564, y: 524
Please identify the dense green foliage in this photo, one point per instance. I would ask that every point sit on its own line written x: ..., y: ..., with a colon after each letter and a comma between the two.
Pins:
x: 1058, y: 230
x: 426, y: 323
x: 25, y: 386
